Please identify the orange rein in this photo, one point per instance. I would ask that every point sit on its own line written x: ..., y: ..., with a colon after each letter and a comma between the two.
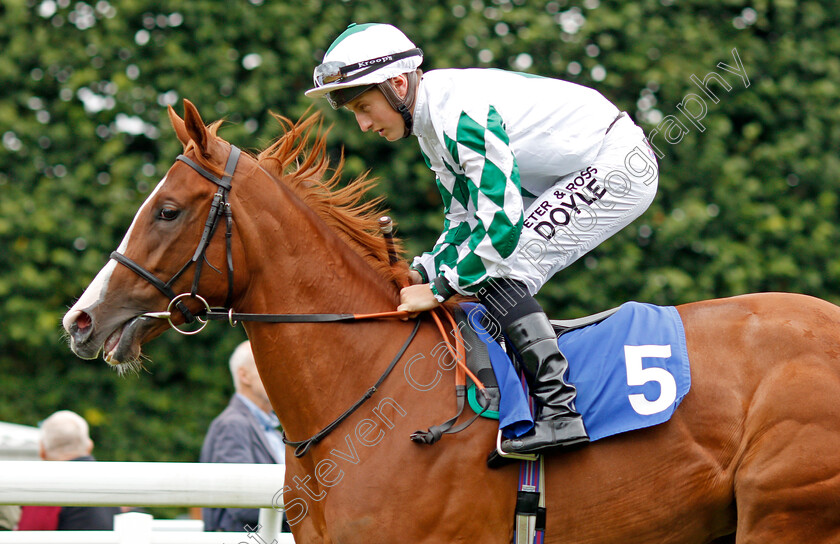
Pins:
x: 457, y: 351
x: 386, y: 227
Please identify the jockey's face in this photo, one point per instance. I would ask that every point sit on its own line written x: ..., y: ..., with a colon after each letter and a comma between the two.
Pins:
x: 374, y: 113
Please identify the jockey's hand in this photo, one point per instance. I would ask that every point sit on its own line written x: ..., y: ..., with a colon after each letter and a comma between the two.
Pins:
x: 414, y: 277
x: 417, y: 298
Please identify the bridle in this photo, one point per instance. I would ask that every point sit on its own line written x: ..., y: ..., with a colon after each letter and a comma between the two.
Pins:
x: 219, y: 207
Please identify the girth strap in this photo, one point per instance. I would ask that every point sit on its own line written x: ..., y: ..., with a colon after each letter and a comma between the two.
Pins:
x: 529, y: 519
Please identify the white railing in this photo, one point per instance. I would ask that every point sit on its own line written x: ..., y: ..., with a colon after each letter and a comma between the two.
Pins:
x: 79, y: 483
x: 18, y: 442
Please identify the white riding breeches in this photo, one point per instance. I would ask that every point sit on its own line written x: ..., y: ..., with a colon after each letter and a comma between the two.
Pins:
x: 585, y: 208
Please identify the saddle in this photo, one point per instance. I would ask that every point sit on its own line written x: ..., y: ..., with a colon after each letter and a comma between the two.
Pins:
x: 475, y: 327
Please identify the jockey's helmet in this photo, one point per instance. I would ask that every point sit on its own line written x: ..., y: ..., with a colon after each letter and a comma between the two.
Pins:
x: 364, y: 56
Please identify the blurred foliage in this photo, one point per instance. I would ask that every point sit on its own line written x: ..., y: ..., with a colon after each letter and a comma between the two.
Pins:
x: 747, y: 204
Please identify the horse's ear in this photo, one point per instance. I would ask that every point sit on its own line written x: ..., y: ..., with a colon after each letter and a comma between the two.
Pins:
x: 195, y: 127
x: 179, y: 126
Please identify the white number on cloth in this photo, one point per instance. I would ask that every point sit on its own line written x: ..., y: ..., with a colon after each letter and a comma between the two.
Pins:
x: 638, y: 375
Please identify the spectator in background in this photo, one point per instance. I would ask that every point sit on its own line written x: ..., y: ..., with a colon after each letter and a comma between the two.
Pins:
x: 65, y: 437
x: 245, y: 432
x: 9, y: 516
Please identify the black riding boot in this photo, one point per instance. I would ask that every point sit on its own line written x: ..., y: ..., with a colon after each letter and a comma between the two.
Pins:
x: 557, y: 423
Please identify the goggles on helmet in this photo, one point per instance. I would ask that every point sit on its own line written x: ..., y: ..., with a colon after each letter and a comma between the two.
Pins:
x: 339, y: 97
x: 337, y: 71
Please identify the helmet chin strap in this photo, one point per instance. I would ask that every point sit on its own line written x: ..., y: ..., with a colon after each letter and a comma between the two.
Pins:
x: 403, y: 106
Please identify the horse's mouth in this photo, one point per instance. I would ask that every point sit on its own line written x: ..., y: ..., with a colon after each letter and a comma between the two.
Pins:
x: 123, y: 336
x: 123, y: 345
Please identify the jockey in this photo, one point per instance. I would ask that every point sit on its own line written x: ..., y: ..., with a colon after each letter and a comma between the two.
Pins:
x: 534, y: 173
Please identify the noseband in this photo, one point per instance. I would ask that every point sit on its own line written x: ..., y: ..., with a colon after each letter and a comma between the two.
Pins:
x: 219, y: 207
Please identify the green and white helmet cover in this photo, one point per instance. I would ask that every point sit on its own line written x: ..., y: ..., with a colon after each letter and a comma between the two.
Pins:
x: 363, y: 56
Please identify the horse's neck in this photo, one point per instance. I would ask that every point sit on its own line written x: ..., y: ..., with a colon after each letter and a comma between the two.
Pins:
x: 296, y: 264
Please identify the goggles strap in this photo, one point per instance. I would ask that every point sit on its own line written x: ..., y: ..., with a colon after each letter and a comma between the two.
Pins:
x: 371, y: 65
x: 363, y: 68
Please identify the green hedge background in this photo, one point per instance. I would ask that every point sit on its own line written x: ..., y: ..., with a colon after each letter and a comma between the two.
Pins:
x: 748, y: 203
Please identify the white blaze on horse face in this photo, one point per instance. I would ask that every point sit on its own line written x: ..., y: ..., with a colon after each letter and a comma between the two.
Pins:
x: 95, y: 292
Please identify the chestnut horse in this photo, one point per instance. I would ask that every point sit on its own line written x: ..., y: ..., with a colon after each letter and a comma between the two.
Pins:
x: 752, y: 450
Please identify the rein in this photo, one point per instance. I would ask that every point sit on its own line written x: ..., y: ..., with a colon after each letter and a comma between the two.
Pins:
x: 302, y: 446
x: 220, y: 207
x: 235, y: 317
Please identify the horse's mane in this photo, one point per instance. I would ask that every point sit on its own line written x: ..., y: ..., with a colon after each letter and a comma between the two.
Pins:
x: 305, y: 168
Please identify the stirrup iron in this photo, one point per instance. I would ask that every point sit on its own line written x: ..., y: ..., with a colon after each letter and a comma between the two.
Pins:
x: 519, y: 456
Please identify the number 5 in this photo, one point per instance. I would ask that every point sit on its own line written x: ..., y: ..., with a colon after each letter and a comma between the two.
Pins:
x: 638, y: 375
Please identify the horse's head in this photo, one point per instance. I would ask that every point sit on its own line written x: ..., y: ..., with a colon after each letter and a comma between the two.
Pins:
x: 290, y: 215
x: 169, y: 242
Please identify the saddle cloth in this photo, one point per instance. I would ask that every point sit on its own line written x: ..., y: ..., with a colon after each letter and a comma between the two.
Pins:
x: 631, y: 370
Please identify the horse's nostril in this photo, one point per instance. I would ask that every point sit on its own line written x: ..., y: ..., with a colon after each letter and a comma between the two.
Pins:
x: 80, y: 328
x: 82, y: 322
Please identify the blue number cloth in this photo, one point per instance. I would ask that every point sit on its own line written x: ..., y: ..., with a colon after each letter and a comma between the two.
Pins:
x: 631, y: 371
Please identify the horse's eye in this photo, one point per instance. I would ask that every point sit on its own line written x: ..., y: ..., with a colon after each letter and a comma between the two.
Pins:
x: 168, y: 214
